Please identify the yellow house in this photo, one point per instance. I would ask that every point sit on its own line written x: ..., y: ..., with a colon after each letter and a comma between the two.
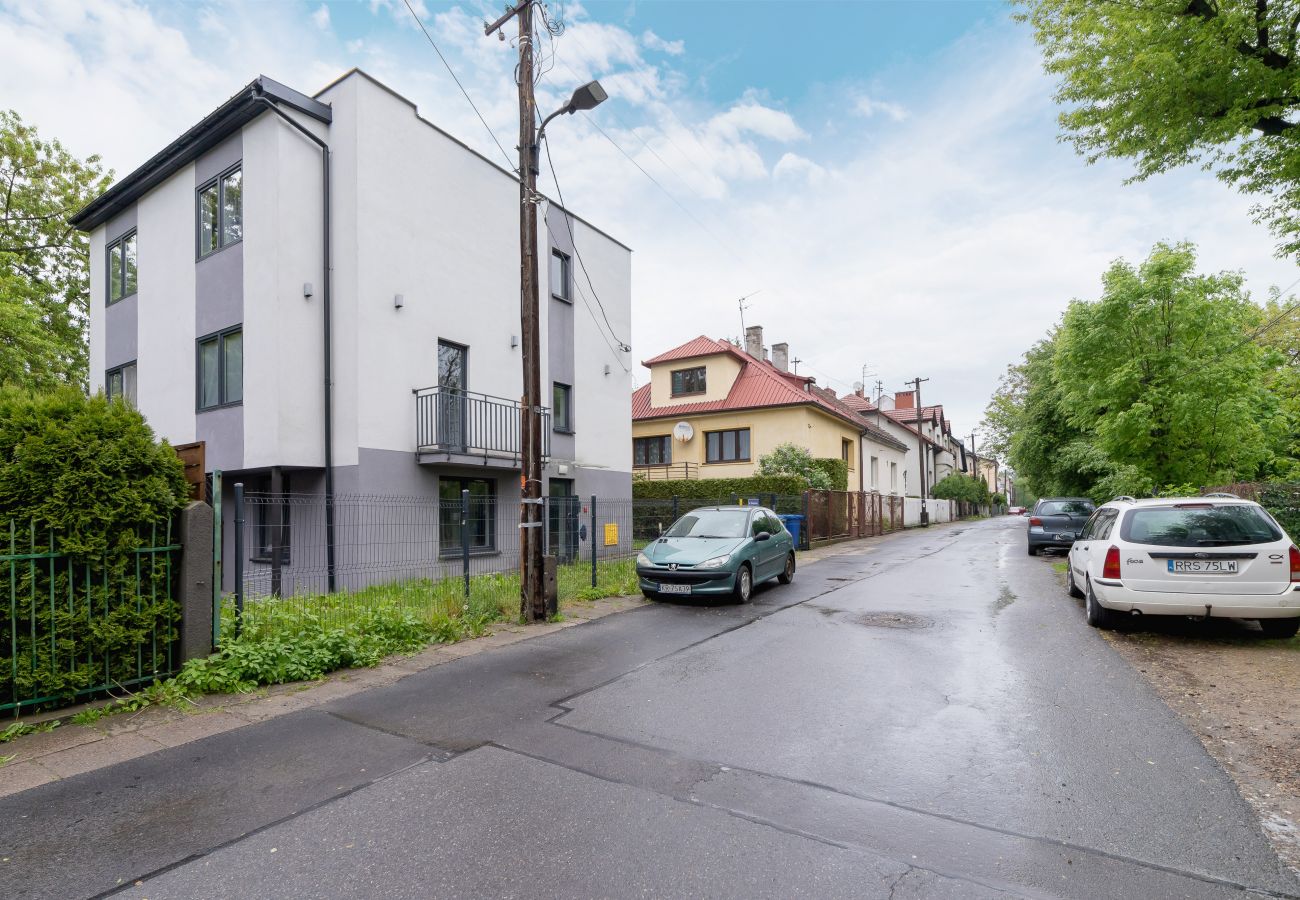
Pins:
x: 711, y: 410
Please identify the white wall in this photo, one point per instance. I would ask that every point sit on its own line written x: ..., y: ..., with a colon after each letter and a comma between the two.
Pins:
x: 98, y: 291
x: 165, y: 385
x: 939, y: 510
x: 884, y: 455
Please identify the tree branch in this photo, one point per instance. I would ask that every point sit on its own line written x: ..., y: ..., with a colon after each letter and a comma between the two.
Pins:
x: 1207, y: 10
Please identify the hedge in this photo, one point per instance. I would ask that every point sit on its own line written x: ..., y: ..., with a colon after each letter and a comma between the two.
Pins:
x: 86, y: 478
x: 838, y: 469
x: 714, y: 488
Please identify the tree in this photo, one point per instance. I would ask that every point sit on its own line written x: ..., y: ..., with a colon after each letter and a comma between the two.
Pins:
x: 1171, y: 82
x: 1281, y: 335
x: 1162, y: 373
x: 44, y: 261
x: 963, y: 487
x: 791, y: 459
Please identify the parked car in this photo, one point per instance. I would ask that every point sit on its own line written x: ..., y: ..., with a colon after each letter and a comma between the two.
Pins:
x: 1214, y: 556
x: 1057, y: 521
x: 716, y: 551
x: 1015, y: 510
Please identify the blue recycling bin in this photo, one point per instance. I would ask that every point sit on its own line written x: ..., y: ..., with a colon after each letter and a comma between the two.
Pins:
x: 794, y: 524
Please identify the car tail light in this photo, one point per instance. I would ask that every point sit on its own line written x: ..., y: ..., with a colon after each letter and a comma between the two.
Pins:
x: 1034, y: 520
x: 1111, y: 568
x: 1295, y: 564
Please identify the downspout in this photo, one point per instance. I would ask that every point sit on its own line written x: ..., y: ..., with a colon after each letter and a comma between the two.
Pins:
x: 325, y: 301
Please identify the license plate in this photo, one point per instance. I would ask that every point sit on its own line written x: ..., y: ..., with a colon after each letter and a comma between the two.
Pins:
x: 1202, y: 566
x: 674, y: 588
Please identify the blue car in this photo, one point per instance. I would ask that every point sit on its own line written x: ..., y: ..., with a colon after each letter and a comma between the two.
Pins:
x: 717, y: 551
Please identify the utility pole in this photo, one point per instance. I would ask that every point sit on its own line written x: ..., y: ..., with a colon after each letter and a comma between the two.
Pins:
x: 532, y: 603
x: 975, y: 460
x: 920, y: 445
x: 794, y: 365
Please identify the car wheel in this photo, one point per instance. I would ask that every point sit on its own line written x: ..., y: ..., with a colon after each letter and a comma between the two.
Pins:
x: 744, y: 584
x: 1279, y: 628
x: 1033, y: 551
x: 1098, y: 615
x: 1069, y: 581
x: 787, y: 574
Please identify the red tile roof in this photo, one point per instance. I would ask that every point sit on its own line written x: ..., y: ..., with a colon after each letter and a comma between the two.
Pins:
x: 862, y: 405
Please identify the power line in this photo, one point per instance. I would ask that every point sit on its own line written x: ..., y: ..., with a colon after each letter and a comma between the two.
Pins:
x: 452, y: 72
x: 573, y: 240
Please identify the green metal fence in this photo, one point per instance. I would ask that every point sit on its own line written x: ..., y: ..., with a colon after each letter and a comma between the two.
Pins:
x: 76, y: 627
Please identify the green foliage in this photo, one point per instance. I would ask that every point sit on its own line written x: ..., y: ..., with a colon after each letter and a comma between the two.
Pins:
x: 720, y: 488
x: 1283, y: 501
x: 87, y: 469
x: 1155, y: 384
x: 999, y: 499
x: 963, y: 487
x: 16, y: 730
x: 1282, y: 337
x: 791, y: 459
x: 44, y: 280
x: 1166, y: 83
x: 837, y: 470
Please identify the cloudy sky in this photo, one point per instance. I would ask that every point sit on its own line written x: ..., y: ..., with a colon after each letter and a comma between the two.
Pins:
x: 883, y: 178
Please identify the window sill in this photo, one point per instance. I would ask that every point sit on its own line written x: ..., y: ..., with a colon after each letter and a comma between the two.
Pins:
x: 726, y: 462
x: 691, y: 394
x: 561, y: 299
x: 266, y: 560
x: 212, y: 253
x: 109, y: 303
x: 563, y: 430
x: 205, y: 409
x: 456, y: 552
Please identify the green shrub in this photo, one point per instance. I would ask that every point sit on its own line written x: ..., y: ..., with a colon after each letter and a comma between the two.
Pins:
x: 87, y: 469
x: 791, y: 459
x: 84, y: 478
x: 837, y: 470
x: 719, y: 488
x: 963, y: 487
x: 1283, y: 501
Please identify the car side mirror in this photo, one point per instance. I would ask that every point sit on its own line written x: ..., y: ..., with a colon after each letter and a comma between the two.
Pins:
x: 762, y: 536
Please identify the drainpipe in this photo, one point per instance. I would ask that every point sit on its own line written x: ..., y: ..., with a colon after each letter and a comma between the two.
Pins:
x: 325, y: 302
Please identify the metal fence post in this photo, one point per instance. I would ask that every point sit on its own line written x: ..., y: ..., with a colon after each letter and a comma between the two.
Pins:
x: 464, y: 539
x: 593, y: 540
x: 239, y: 558
x: 216, y: 558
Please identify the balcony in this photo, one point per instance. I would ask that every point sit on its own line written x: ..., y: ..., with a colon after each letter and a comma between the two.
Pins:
x: 463, y: 428
x: 681, y: 471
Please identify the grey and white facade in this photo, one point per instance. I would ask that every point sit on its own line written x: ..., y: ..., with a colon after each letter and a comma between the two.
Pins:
x: 208, y: 302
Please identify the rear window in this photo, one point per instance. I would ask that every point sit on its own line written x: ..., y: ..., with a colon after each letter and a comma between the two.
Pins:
x: 1214, y: 526
x: 1066, y: 508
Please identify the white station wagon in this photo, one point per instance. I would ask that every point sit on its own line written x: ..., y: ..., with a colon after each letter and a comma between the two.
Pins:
x: 1207, y: 556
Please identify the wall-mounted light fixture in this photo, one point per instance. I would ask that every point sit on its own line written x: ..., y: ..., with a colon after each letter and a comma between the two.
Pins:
x: 514, y: 341
x: 306, y: 289
x: 398, y: 301
x: 606, y: 368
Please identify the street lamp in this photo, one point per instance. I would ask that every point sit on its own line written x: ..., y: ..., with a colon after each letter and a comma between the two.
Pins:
x: 588, y: 96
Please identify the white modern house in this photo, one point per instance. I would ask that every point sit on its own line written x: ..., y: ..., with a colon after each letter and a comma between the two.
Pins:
x: 324, y: 290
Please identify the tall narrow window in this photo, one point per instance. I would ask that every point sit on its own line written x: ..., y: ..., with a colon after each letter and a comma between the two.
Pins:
x: 121, y: 267
x: 221, y: 212
x: 562, y: 414
x: 561, y: 276
x: 221, y: 369
x: 119, y: 383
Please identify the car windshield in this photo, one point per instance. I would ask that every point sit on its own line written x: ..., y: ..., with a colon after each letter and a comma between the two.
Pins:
x: 710, y: 523
x: 1200, y: 526
x: 1066, y: 508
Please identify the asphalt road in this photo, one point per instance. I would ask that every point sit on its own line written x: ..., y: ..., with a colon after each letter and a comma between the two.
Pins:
x: 928, y: 718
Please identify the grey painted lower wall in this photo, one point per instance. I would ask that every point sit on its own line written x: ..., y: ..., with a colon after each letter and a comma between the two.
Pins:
x: 222, y: 431
x: 121, y: 332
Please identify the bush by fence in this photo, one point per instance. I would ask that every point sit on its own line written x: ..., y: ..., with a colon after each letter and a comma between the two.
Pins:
x: 713, y: 488
x: 1281, y: 499
x: 837, y: 470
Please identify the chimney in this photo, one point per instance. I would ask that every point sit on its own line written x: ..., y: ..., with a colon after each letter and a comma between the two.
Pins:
x: 781, y: 356
x: 754, y: 341
x: 904, y: 400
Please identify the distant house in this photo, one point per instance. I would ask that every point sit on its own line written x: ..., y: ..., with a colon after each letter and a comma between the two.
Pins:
x: 711, y: 410
x: 903, y: 475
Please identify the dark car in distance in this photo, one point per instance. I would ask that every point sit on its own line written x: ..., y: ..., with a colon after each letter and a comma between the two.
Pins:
x: 1056, y: 521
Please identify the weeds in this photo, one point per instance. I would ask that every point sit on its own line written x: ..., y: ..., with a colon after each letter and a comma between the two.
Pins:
x: 18, y: 729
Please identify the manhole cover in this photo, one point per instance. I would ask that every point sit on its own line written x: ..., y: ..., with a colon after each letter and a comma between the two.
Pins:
x: 893, y: 620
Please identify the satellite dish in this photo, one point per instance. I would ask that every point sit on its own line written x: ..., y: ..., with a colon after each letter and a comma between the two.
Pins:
x: 683, y: 431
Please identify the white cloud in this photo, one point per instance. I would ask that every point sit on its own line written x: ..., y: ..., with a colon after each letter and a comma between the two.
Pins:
x: 942, y: 246
x: 321, y: 17
x: 867, y: 107
x: 652, y: 41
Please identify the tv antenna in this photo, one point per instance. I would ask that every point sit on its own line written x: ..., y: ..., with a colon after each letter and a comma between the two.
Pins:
x: 744, y: 306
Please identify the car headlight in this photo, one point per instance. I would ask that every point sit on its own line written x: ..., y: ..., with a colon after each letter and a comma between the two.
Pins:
x: 716, y: 563
x: 643, y: 560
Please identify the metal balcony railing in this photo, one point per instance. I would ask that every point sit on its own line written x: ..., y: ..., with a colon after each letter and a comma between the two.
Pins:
x: 681, y: 471
x: 464, y: 423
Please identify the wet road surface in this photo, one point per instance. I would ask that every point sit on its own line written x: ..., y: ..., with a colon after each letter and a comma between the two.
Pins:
x: 930, y: 717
